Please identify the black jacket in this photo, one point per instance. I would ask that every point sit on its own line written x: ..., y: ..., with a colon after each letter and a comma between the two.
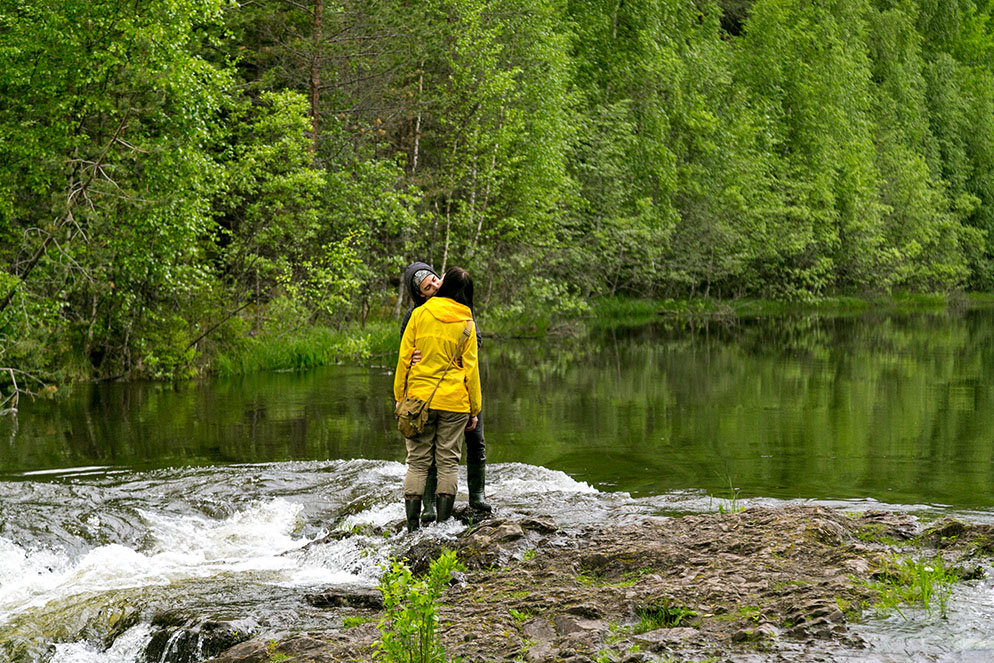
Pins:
x: 419, y: 299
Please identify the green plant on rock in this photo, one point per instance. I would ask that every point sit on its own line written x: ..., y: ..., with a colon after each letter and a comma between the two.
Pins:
x: 927, y: 584
x: 409, y: 628
x: 274, y: 656
x: 607, y: 656
x: 520, y: 616
x: 661, y: 616
x: 356, y: 620
x: 617, y: 632
x: 729, y: 504
x: 750, y: 613
x: 875, y: 533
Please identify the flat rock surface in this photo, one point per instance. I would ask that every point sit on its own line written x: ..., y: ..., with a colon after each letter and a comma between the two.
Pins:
x: 764, y: 584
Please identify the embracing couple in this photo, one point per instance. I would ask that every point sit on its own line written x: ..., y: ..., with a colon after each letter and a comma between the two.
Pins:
x: 437, y: 367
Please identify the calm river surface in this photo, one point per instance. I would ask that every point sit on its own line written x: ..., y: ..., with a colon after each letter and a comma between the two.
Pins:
x: 121, y: 501
x: 894, y: 408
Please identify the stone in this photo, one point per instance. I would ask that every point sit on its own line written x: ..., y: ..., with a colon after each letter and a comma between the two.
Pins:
x: 331, y: 537
x: 508, y: 532
x: 541, y: 525
x: 179, y: 641
x: 421, y: 554
x: 858, y: 566
x: 820, y: 627
x: 948, y: 528
x: 539, y: 630
x: 587, y: 610
x: 827, y: 532
x: 567, y: 624
x: 540, y: 653
x: 756, y: 634
x: 252, y: 651
x: 663, y: 637
x: 584, y: 640
x: 346, y: 597
x: 301, y: 645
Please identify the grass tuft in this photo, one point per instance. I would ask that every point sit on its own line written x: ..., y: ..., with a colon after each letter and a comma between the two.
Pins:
x: 661, y: 616
x: 309, y: 348
x: 926, y: 584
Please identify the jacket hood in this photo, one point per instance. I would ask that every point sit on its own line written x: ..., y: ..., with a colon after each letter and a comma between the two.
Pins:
x: 444, y: 309
x: 412, y: 288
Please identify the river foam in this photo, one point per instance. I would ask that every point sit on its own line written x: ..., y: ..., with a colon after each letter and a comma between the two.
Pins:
x: 127, y: 648
x: 181, y: 548
x: 225, y: 543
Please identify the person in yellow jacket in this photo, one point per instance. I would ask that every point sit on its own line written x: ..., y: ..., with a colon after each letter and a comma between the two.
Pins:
x: 443, y: 330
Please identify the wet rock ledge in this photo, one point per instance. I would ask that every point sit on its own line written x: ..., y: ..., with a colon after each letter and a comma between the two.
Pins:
x: 763, y: 584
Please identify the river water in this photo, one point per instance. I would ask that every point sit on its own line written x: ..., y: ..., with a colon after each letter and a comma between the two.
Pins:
x: 123, y: 502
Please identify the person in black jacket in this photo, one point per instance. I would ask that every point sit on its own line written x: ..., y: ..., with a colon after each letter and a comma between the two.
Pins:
x: 422, y: 282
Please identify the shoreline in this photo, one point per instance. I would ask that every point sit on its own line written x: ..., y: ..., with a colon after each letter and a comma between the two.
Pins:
x: 316, y: 346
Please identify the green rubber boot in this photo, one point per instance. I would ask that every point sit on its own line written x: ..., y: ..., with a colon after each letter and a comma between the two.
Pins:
x: 412, y: 508
x: 428, y: 500
x: 445, y: 503
x: 476, y: 477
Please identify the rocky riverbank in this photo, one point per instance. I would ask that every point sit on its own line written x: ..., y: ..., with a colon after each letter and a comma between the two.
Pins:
x: 764, y: 584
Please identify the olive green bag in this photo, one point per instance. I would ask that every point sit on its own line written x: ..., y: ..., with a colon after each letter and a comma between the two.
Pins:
x: 412, y: 413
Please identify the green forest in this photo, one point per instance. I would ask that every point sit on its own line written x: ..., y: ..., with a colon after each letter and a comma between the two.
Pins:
x: 186, y: 183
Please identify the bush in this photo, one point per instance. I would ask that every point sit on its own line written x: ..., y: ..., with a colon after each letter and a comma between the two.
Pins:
x: 408, y: 630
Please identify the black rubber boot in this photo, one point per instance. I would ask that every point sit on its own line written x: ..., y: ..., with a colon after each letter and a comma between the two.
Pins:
x: 428, y: 515
x: 476, y: 477
x: 412, y: 505
x: 444, y: 502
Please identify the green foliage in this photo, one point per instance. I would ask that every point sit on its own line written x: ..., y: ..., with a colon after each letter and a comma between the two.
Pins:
x: 926, y: 584
x: 275, y: 244
x: 356, y: 620
x: 179, y: 180
x: 408, y: 630
x: 106, y: 177
x: 730, y: 503
x: 273, y: 655
x: 663, y: 616
x: 519, y: 615
x: 307, y: 347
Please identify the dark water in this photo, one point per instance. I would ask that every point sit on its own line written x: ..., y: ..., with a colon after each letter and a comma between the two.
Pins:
x: 895, y: 408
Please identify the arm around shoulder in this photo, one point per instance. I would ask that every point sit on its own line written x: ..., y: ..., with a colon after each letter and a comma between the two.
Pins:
x: 472, y: 366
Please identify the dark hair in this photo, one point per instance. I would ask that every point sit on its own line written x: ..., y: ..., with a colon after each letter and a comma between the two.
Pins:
x: 458, y: 285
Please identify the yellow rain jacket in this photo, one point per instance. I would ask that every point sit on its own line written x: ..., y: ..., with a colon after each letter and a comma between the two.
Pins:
x: 436, y: 329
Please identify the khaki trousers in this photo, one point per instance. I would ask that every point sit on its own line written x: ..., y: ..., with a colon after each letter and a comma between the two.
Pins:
x: 441, y: 442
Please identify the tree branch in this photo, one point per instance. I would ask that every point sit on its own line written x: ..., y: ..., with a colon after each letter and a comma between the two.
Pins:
x: 15, y: 396
x: 218, y: 324
x: 74, y: 195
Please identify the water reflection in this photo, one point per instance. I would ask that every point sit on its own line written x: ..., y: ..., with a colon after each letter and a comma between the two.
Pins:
x: 897, y: 408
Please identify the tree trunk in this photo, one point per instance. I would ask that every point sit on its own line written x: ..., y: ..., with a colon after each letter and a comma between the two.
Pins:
x: 400, y: 299
x: 490, y: 179
x: 258, y: 304
x: 434, y: 233
x: 474, y: 175
x: 448, y: 226
x: 317, y: 36
x: 614, y: 38
x: 417, y: 120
